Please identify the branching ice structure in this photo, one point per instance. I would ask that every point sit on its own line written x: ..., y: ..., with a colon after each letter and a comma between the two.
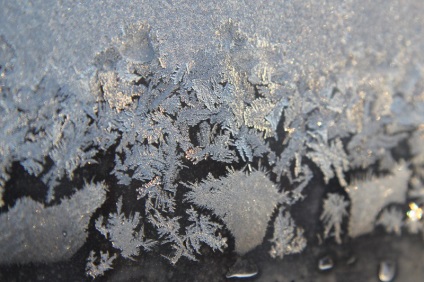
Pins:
x: 185, y: 91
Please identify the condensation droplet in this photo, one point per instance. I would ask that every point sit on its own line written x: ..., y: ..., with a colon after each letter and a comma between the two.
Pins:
x: 351, y: 260
x: 64, y: 234
x: 242, y: 269
x: 386, y: 271
x: 325, y: 263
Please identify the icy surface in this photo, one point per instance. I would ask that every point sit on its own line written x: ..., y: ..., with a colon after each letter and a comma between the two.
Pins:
x: 208, y: 119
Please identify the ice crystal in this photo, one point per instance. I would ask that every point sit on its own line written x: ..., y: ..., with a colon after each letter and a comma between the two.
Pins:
x: 126, y: 234
x: 332, y: 159
x: 287, y: 238
x: 240, y: 199
x: 372, y: 144
x: 217, y: 150
x: 303, y: 177
x: 250, y: 145
x: 13, y: 130
x: 96, y: 267
x: 255, y: 115
x: 32, y: 232
x: 295, y: 148
x: 75, y: 149
x: 48, y: 129
x: 118, y: 93
x: 202, y: 230
x: 368, y: 197
x: 392, y: 220
x: 334, y: 210
x: 163, y: 103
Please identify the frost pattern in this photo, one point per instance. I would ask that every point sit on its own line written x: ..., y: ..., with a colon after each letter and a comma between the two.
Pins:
x: 202, y: 230
x: 240, y: 199
x: 334, y: 210
x: 57, y: 125
x: 236, y: 106
x: 392, y: 220
x: 330, y: 159
x: 126, y: 234
x: 34, y: 233
x: 368, y: 197
x: 287, y: 238
x: 98, y: 266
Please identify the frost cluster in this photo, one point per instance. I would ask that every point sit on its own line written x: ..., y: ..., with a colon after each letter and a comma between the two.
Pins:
x: 237, y: 109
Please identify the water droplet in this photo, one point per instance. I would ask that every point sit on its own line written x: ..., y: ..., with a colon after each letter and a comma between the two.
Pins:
x: 64, y: 234
x: 351, y: 260
x: 387, y: 271
x: 325, y: 263
x: 242, y: 269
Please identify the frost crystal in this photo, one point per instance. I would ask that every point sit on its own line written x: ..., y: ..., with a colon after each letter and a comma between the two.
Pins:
x: 240, y: 199
x: 126, y: 234
x: 202, y: 230
x: 330, y: 159
x: 392, y: 220
x: 370, y: 196
x: 32, y: 232
x: 154, y: 104
x: 287, y: 238
x: 98, y: 266
x: 334, y: 210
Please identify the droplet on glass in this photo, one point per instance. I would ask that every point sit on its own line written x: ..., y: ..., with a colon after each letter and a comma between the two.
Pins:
x: 325, y: 263
x: 64, y: 234
x: 351, y: 260
x: 242, y: 269
x: 386, y: 271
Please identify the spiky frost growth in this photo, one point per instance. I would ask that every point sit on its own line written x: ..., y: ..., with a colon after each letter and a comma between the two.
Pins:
x: 392, y: 220
x: 287, y: 238
x: 244, y: 201
x: 98, y: 266
x: 368, y: 197
x: 125, y: 233
x: 334, y: 210
x: 187, y: 244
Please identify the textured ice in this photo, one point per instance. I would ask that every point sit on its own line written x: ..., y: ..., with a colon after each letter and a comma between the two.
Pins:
x: 241, y: 199
x: 31, y: 232
x: 308, y: 90
x: 368, y: 197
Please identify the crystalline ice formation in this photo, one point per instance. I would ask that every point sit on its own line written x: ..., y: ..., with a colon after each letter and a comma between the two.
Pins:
x: 187, y: 244
x: 368, y: 197
x: 334, y: 210
x: 31, y: 232
x: 98, y: 266
x: 222, y: 83
x: 244, y: 201
x: 121, y: 231
x: 287, y: 238
x: 392, y: 220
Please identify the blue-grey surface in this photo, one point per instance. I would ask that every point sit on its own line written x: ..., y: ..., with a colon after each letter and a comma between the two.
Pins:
x: 61, y: 37
x: 163, y: 98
